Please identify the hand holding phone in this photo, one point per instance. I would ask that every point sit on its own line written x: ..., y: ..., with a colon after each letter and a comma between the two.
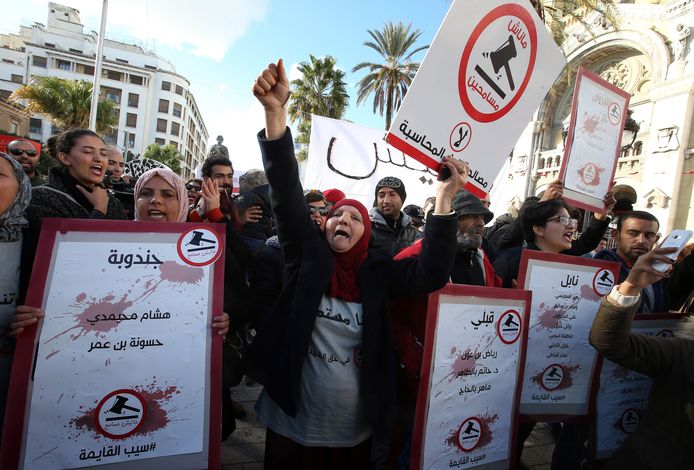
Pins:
x: 677, y: 239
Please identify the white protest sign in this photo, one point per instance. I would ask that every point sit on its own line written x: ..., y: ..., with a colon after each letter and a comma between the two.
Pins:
x: 467, y: 405
x: 594, y: 141
x: 486, y: 72
x: 560, y: 363
x: 123, y: 358
x: 622, y: 395
x: 354, y: 158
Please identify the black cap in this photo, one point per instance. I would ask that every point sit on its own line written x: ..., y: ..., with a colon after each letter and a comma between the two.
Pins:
x: 394, y: 183
x: 415, y: 212
x: 466, y: 203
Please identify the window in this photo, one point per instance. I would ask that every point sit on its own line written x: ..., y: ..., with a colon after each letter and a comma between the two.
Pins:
x: 49, y: 44
x: 131, y: 120
x: 175, y: 128
x: 113, y: 75
x: 8, y: 61
x: 129, y: 140
x: 179, y: 90
x: 35, y: 125
x: 111, y: 95
x: 85, y: 69
x: 161, y: 125
x: 63, y: 64
x: 164, y: 106
x: 76, y: 51
x: 136, y: 80
x: 151, y: 67
x: 166, y: 86
x: 5, y: 94
x: 55, y: 130
x: 39, y: 61
x: 17, y: 78
x: 175, y: 144
x: 14, y: 127
x: 159, y: 141
x: 133, y: 100
x: 122, y: 61
x: 177, y: 110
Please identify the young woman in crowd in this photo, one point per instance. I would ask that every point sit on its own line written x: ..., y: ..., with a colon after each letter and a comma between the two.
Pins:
x: 326, y: 356
x: 15, y: 193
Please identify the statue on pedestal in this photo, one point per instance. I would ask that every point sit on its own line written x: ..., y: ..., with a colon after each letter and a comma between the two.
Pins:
x: 219, y: 150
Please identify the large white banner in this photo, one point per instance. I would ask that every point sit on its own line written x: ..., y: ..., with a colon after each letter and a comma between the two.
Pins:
x: 488, y: 69
x: 353, y: 158
x: 467, y: 406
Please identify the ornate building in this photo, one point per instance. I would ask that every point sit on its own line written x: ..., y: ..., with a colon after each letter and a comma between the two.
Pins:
x: 649, y: 56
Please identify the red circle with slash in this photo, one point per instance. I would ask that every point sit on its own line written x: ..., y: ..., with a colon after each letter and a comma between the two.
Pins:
x: 113, y: 417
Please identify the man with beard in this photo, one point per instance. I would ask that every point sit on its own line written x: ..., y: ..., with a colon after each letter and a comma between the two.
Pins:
x: 25, y: 153
x: 391, y: 228
x: 472, y: 267
x: 635, y: 235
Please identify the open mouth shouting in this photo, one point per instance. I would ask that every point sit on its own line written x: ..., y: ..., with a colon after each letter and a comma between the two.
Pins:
x: 97, y: 169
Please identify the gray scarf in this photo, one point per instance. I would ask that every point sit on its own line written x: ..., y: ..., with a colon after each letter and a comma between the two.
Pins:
x: 12, y: 221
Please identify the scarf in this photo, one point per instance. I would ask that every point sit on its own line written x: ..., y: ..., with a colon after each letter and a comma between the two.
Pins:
x: 344, y: 281
x: 176, y: 184
x: 12, y: 221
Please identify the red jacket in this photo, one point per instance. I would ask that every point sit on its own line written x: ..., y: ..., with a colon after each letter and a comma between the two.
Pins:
x: 408, y: 318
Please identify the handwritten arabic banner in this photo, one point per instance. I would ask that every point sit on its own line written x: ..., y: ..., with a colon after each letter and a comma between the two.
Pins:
x: 354, y: 158
x: 594, y: 141
x: 123, y: 359
x: 467, y: 406
x: 621, y: 397
x: 470, y: 98
x: 560, y: 363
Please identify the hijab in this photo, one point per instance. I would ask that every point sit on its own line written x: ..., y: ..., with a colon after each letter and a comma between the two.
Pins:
x: 174, y: 181
x: 344, y: 281
x: 12, y: 221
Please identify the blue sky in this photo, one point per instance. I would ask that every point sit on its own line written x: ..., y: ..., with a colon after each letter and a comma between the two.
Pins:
x: 222, y: 45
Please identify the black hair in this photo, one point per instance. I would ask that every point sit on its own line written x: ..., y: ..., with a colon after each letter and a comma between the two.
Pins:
x: 212, y: 161
x: 68, y: 139
x: 314, y: 196
x: 641, y: 215
x: 537, y: 214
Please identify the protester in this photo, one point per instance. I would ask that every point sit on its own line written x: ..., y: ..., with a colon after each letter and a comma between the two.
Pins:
x: 416, y: 214
x: 471, y: 267
x: 663, y: 439
x: 25, y: 153
x: 320, y: 412
x: 428, y: 205
x: 116, y: 164
x: 636, y: 234
x: 15, y: 193
x: 392, y: 229
x: 333, y: 196
x: 601, y: 246
x: 193, y: 186
x: 253, y: 199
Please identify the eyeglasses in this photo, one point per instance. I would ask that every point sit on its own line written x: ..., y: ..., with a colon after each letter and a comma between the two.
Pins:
x: 319, y: 210
x: 564, y: 220
x: 192, y: 187
x: 18, y: 152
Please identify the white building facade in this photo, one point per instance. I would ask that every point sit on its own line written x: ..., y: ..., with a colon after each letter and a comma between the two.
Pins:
x: 154, y: 102
x: 650, y: 57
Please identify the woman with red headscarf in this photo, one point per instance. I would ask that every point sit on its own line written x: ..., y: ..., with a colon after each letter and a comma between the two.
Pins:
x: 326, y: 354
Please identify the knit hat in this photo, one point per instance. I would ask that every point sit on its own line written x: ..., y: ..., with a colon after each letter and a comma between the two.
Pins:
x: 393, y: 183
x: 466, y: 203
x: 333, y: 195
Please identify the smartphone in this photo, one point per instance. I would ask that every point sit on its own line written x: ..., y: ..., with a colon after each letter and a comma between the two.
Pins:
x: 677, y: 239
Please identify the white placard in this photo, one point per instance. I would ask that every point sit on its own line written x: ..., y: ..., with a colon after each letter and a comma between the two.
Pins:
x: 467, y: 405
x: 486, y: 72
x: 560, y: 363
x: 354, y: 158
x: 622, y: 396
x: 594, y: 141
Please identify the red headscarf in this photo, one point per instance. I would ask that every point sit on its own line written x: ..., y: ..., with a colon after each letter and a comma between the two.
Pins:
x: 343, y: 283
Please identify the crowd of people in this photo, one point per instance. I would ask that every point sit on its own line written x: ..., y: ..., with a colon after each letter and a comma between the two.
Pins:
x: 297, y: 259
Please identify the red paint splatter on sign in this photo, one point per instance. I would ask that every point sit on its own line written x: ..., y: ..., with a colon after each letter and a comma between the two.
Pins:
x: 588, y: 293
x: 181, y: 274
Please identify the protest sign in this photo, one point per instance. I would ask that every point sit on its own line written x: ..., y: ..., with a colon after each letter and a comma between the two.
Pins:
x: 560, y: 363
x: 471, y: 97
x: 123, y: 370
x: 593, y: 144
x: 354, y: 158
x: 621, y: 395
x: 467, y: 405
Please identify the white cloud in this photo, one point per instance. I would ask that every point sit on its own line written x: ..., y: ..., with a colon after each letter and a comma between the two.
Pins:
x: 294, y: 72
x: 208, y: 29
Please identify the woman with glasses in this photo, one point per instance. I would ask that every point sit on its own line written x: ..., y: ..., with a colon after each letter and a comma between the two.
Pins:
x: 317, y: 207
x: 193, y: 187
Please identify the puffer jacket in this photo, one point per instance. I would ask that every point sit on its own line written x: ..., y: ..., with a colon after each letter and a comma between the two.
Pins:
x: 386, y: 238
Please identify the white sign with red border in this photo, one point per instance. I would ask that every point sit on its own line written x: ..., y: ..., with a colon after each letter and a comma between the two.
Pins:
x: 560, y: 363
x: 487, y: 70
x: 593, y: 144
x: 467, y: 402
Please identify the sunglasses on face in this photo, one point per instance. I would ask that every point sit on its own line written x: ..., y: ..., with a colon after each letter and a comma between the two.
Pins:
x: 319, y: 210
x: 192, y: 187
x: 564, y: 220
x: 18, y: 152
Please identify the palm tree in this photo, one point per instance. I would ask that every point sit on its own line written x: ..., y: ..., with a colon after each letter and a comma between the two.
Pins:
x: 166, y: 154
x: 321, y: 90
x: 390, y: 80
x: 66, y: 102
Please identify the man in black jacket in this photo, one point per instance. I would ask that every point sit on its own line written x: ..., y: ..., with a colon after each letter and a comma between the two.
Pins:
x: 392, y: 229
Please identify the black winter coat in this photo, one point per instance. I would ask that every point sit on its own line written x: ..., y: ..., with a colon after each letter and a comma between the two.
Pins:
x: 278, y: 352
